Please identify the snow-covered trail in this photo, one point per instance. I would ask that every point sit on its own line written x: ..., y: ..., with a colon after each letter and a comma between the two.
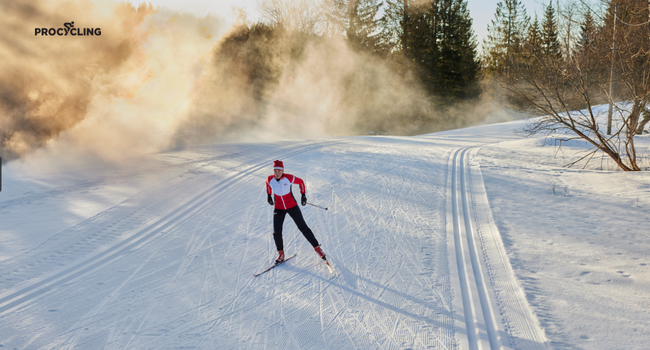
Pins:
x: 494, y: 307
x: 171, y: 265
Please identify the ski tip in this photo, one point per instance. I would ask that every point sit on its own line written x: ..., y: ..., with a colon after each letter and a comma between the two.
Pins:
x: 329, y: 266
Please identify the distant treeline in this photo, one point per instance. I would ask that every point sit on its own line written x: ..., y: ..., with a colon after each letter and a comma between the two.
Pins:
x: 430, y: 40
x: 573, y: 56
x: 310, y: 68
x: 434, y: 40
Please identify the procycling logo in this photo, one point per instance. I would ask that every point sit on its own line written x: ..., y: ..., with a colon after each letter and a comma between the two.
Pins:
x: 69, y: 29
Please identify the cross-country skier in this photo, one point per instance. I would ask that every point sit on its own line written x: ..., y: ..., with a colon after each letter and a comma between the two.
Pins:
x: 279, y: 184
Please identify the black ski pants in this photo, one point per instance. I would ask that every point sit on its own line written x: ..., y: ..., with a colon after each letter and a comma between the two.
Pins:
x: 296, y: 215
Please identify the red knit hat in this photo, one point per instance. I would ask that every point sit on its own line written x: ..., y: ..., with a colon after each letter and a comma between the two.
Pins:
x: 277, y: 165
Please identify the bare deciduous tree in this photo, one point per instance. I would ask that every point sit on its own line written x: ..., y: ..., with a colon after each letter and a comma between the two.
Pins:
x: 566, y: 90
x: 294, y: 15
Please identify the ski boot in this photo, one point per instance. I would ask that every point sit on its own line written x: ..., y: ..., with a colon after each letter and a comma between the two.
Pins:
x: 280, y: 257
x: 320, y: 253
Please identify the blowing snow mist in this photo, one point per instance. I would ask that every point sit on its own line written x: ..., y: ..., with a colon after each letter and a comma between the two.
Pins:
x: 157, y: 79
x: 123, y: 91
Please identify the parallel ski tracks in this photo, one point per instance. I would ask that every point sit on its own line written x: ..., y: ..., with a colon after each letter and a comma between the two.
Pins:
x: 28, y: 293
x: 480, y: 319
x: 495, y: 311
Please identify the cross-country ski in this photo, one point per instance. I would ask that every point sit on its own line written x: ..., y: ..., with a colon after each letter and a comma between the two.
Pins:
x: 329, y: 266
x: 274, y: 265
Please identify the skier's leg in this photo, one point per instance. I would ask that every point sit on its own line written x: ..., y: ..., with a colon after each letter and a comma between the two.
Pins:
x: 278, y: 221
x: 296, y: 215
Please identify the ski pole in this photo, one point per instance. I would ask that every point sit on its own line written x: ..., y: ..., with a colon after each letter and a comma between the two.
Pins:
x: 317, y: 206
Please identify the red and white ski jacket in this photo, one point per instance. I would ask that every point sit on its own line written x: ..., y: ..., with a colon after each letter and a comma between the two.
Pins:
x: 282, y: 190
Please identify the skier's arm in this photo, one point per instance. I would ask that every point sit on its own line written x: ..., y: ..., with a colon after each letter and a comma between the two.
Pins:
x: 298, y: 181
x: 303, y: 189
x: 269, y: 191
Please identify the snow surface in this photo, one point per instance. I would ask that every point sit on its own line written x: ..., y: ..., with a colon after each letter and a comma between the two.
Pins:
x: 467, y: 239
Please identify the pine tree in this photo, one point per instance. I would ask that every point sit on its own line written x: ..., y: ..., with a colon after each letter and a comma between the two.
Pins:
x: 533, y: 43
x: 503, y: 46
x: 458, y: 64
x: 363, y: 31
x: 550, y: 43
x: 437, y: 40
x: 422, y: 41
x: 392, y: 26
x: 587, y: 33
x: 335, y: 16
x: 356, y: 20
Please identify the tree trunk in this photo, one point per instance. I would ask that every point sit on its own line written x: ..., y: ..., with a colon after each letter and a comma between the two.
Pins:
x: 646, y: 117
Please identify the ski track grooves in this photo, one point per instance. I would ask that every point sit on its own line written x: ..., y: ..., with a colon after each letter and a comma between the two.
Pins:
x: 496, y: 314
x: 465, y: 246
x: 167, y: 221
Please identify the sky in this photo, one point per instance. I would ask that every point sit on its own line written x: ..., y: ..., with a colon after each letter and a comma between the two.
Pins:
x: 482, y: 11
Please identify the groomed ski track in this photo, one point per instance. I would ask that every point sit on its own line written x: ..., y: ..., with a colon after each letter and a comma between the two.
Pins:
x: 419, y: 262
x: 493, y: 305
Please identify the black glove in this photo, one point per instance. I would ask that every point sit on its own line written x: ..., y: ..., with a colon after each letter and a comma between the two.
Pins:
x: 303, y: 200
x: 270, y: 199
